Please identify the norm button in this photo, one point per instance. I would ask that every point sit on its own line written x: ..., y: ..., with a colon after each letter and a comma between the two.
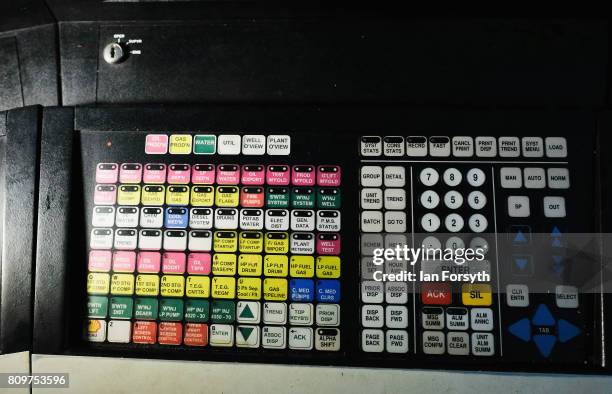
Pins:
x: 279, y: 145
x: 228, y: 144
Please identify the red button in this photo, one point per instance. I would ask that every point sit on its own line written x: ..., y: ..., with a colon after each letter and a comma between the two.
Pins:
x: 252, y: 197
x: 170, y: 333
x: 144, y: 332
x: 436, y: 293
x: 196, y: 334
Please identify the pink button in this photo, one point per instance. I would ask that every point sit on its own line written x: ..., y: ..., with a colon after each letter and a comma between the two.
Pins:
x: 328, y: 244
x: 228, y: 174
x: 198, y: 263
x: 303, y: 175
x: 253, y: 175
x: 154, y: 173
x: 149, y: 262
x: 328, y: 175
x: 130, y: 173
x: 99, y: 260
x: 278, y: 175
x: 105, y: 194
x: 124, y: 261
x: 107, y: 173
x: 173, y: 263
x: 156, y: 144
x: 203, y: 174
x: 179, y: 173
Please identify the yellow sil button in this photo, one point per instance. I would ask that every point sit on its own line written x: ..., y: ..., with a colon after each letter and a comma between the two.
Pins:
x: 177, y: 195
x: 224, y: 264
x: 223, y: 287
x: 477, y: 294
x: 227, y: 196
x: 275, y: 289
x: 328, y: 267
x: 122, y: 284
x: 202, y: 196
x: 276, y: 265
x: 302, y: 266
x: 128, y: 195
x: 98, y: 283
x: 198, y: 286
x: 225, y: 241
x: 277, y: 243
x: 249, y: 288
x: 172, y: 286
x: 180, y: 144
x: 249, y: 265
x: 251, y: 242
x: 147, y: 285
x: 153, y: 195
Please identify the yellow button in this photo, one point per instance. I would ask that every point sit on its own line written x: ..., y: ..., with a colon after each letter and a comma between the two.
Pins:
x: 227, y: 196
x: 98, y: 283
x: 147, y: 285
x: 128, y: 195
x: 180, y: 144
x: 224, y: 264
x: 153, y: 195
x: 477, y: 294
x: 251, y: 242
x: 225, y: 241
x: 198, y: 286
x: 223, y: 287
x: 249, y: 288
x: 328, y: 267
x: 277, y: 243
x: 249, y: 265
x: 122, y: 284
x: 302, y: 266
x: 177, y: 195
x: 276, y: 265
x: 202, y: 196
x: 172, y: 286
x: 275, y: 289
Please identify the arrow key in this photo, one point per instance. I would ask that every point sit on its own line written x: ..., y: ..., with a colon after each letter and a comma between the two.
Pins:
x: 247, y: 336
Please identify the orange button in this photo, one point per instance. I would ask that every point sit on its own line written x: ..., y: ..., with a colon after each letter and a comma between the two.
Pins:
x: 252, y: 197
x: 436, y: 293
x: 196, y: 334
x: 170, y: 333
x: 144, y: 332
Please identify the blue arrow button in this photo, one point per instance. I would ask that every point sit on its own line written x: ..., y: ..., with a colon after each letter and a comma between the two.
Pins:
x: 543, y: 317
x: 556, y: 243
x: 566, y: 330
x: 544, y: 343
x: 555, y: 232
x: 521, y: 329
x: 520, y: 238
x: 521, y: 263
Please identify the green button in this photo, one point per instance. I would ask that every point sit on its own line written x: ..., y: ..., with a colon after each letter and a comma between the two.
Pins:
x: 170, y: 309
x: 196, y: 311
x: 145, y: 308
x: 302, y: 197
x: 204, y: 144
x: 329, y: 198
x: 97, y: 306
x: 121, y: 307
x: 277, y: 197
x: 223, y: 312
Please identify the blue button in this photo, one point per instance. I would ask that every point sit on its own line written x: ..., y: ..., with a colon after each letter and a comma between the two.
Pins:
x: 328, y: 291
x: 520, y: 235
x: 556, y: 243
x: 566, y: 330
x: 545, y: 343
x: 522, y: 265
x: 543, y: 317
x: 521, y: 329
x: 302, y: 290
x: 555, y: 232
x: 176, y: 218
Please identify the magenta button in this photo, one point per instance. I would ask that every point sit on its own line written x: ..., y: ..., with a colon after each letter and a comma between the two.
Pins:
x: 130, y: 173
x: 179, y: 173
x: 156, y: 144
x: 328, y: 176
x: 124, y: 261
x: 105, y: 194
x: 278, y: 175
x: 99, y: 260
x: 303, y: 175
x: 328, y: 244
x: 198, y: 263
x: 203, y: 174
x: 149, y: 262
x: 253, y: 175
x: 154, y: 173
x: 107, y: 173
x: 173, y: 263
x: 228, y: 174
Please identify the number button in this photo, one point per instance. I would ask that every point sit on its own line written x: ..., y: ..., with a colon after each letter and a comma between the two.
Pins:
x: 476, y: 177
x: 478, y: 223
x: 453, y: 199
x: 429, y: 176
x: 430, y: 222
x: 452, y: 177
x: 454, y: 242
x: 430, y: 199
x: 477, y: 200
x: 453, y: 223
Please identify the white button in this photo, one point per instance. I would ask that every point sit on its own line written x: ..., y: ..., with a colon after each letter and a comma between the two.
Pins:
x: 301, y: 314
x: 252, y: 336
x: 535, y: 178
x: 373, y: 341
x: 396, y: 316
x: 518, y: 206
x: 509, y: 147
x: 511, y: 177
x: 101, y: 238
x: 395, y: 176
x: 327, y: 339
x: 254, y: 145
x: 371, y: 221
x: 477, y: 200
x: 463, y: 146
x: 554, y: 207
x: 153, y: 217
x: 276, y: 220
x: 372, y: 292
x: 533, y: 147
x: 439, y: 146
x: 126, y: 239
x: 368, y: 268
x: 371, y: 176
x: 103, y: 216
x: 432, y: 318
x: 558, y: 178
x: 279, y: 145
x: 434, y: 342
x: 452, y: 177
x: 478, y: 223
x: 429, y: 176
x: 372, y: 316
x: 475, y: 177
x: 242, y: 309
x: 396, y: 292
x: 430, y: 199
x: 395, y: 222
x: 480, y: 243
x: 328, y: 220
x: 457, y: 319
x: 453, y: 223
x: 221, y: 335
x: 371, y: 146
x: 430, y: 222
x: 517, y: 295
x: 556, y: 147
x: 228, y: 144
x: 481, y: 319
x: 483, y: 344
x: 486, y: 147
x: 397, y: 341
x: 393, y: 146
x: 127, y: 217
x: 226, y: 218
x: 431, y: 242
x: 275, y: 313
x: 416, y: 146
x: 453, y: 199
x: 369, y: 242
x: 371, y: 198
x: 455, y: 243
x: 393, y: 240
x: 119, y: 331
x: 395, y: 199
x: 273, y: 337
x: 566, y: 296
x: 328, y: 315
x: 458, y: 343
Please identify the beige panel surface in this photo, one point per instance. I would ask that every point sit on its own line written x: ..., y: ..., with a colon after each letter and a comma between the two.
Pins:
x: 15, y: 362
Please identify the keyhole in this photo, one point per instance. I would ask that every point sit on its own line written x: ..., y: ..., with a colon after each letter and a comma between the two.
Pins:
x: 112, y: 52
